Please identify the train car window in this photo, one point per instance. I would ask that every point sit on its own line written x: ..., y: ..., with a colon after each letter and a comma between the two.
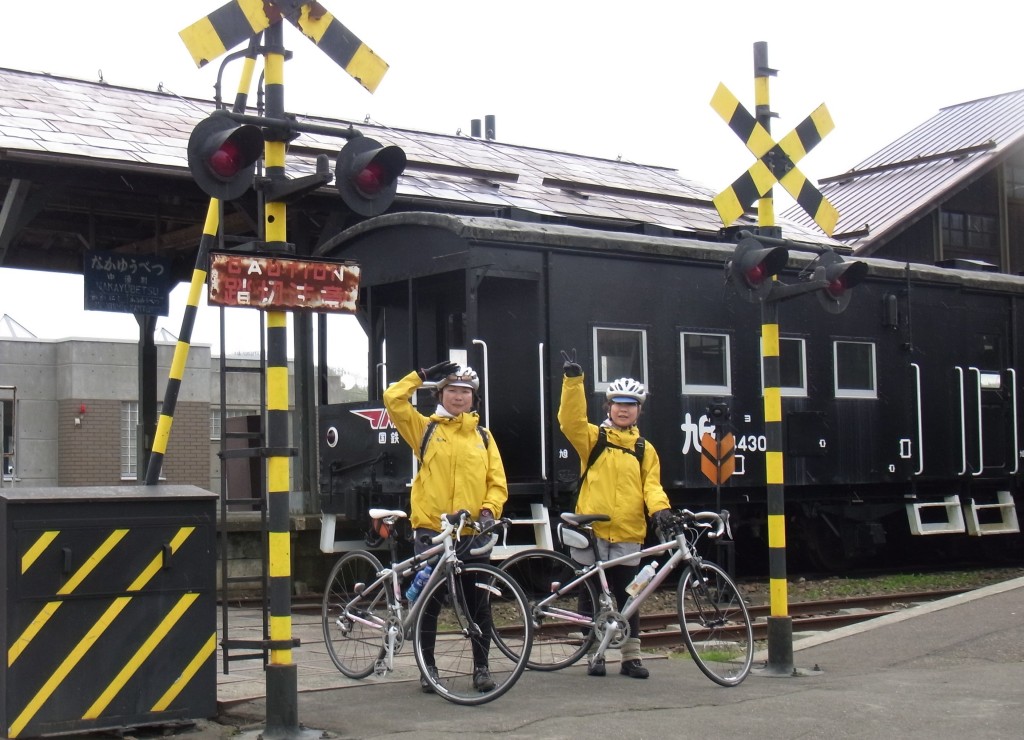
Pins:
x: 619, y: 353
x: 854, y: 370
x: 792, y: 367
x: 705, y: 363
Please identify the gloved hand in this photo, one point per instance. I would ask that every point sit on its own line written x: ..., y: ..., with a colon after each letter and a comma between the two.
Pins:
x: 485, y: 519
x: 438, y: 371
x: 663, y: 518
x: 571, y: 368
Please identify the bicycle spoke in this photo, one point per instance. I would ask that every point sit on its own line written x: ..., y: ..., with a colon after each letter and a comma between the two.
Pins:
x: 715, y: 624
x: 559, y: 638
x: 354, y: 614
x: 482, y: 622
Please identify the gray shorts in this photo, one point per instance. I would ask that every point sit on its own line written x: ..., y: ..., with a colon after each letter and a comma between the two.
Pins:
x: 606, y: 551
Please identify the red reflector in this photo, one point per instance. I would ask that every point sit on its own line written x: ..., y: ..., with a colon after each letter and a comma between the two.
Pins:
x: 836, y: 288
x: 756, y: 274
x: 227, y: 160
x: 370, y: 179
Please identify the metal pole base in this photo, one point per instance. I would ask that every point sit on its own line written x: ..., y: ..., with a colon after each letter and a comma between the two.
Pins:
x: 283, y: 707
x: 780, y: 652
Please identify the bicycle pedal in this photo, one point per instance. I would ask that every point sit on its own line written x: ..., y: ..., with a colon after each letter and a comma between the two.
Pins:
x: 380, y: 668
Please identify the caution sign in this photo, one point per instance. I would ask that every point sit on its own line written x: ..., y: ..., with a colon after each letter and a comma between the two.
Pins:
x: 776, y: 162
x: 717, y: 459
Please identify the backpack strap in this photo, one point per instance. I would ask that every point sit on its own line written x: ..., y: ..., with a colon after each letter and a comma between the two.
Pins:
x: 429, y: 432
x: 601, y: 445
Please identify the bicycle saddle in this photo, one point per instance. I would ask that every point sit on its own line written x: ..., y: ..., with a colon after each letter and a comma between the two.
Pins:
x: 580, y: 520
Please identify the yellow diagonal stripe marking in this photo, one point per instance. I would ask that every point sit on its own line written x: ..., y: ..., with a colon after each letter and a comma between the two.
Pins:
x: 68, y: 664
x: 50, y: 608
x: 158, y: 562
x: 37, y: 549
x: 94, y: 633
x: 187, y: 675
x: 140, y: 656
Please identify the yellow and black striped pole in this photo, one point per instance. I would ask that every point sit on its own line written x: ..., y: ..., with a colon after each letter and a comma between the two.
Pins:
x: 282, y: 673
x: 780, y: 624
x: 181, y: 349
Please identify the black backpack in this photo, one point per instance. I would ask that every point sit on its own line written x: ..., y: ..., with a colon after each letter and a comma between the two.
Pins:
x: 602, y: 445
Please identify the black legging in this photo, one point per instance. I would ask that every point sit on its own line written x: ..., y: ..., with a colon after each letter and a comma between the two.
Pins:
x: 479, y: 609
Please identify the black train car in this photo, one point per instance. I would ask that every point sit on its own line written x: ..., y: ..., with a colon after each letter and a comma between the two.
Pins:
x: 900, y: 413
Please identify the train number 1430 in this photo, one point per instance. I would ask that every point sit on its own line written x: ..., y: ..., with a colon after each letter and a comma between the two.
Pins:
x: 752, y: 443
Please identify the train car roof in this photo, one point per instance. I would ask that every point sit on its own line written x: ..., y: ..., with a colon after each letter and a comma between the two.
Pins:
x: 476, y: 231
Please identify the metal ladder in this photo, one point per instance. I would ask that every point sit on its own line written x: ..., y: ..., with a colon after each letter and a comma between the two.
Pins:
x: 243, y: 649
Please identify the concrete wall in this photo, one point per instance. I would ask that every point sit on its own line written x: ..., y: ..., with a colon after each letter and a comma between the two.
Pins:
x: 57, y: 444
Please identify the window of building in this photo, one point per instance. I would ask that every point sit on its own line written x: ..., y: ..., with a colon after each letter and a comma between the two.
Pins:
x: 215, y: 420
x: 705, y: 363
x: 619, y: 353
x: 969, y: 231
x: 129, y: 440
x: 7, y: 438
x: 792, y: 367
x: 854, y: 366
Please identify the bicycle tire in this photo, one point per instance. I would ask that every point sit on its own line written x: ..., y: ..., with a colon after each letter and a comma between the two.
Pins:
x: 447, y: 646
x: 557, y: 643
x: 715, y: 624
x: 355, y: 646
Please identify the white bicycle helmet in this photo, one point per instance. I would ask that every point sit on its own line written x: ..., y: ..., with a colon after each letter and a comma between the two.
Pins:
x: 465, y: 377
x: 626, y: 390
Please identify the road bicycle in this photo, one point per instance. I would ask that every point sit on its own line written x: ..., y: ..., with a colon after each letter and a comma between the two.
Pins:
x: 574, y: 613
x: 366, y: 619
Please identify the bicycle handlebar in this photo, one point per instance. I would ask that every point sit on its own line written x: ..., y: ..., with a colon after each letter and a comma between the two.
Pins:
x: 717, y: 523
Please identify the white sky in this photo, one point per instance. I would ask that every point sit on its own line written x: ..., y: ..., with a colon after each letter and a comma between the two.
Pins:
x: 593, y: 77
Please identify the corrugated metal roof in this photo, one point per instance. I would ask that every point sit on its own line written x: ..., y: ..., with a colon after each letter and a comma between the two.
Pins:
x: 892, y: 188
x: 44, y: 116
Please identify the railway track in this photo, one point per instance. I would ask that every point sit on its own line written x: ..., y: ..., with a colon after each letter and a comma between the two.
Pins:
x: 662, y: 629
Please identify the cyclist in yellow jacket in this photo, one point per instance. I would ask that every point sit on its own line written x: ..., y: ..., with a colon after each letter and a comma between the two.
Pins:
x: 623, y: 482
x: 460, y: 468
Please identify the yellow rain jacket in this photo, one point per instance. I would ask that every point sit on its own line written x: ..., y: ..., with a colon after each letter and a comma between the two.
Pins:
x: 618, y: 484
x: 459, y: 471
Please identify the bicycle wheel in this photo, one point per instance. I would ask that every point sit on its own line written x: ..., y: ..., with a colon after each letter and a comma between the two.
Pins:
x: 715, y: 624
x: 355, y: 614
x: 454, y: 632
x: 557, y: 641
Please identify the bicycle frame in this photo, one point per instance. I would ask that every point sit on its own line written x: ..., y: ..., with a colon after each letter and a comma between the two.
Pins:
x: 682, y: 554
x: 447, y: 559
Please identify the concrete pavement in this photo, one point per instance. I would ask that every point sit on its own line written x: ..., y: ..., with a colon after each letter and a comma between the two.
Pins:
x: 945, y: 669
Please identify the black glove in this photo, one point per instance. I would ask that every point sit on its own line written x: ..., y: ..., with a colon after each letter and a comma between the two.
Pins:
x: 485, y: 519
x: 663, y: 518
x: 571, y: 368
x: 434, y: 373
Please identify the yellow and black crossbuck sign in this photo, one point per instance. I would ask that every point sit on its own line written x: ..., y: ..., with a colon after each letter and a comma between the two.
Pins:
x: 240, y: 20
x: 776, y: 162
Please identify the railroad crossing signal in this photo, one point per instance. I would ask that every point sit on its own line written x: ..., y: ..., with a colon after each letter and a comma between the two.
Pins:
x: 222, y: 156
x: 367, y: 175
x: 776, y: 162
x: 753, y: 267
x: 839, y: 277
x: 239, y: 20
x: 717, y: 460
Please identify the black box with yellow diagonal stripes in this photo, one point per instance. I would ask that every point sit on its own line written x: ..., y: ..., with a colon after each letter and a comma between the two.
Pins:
x: 109, y: 615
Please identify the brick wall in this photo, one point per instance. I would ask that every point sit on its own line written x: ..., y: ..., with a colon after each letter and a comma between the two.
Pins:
x: 90, y: 452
